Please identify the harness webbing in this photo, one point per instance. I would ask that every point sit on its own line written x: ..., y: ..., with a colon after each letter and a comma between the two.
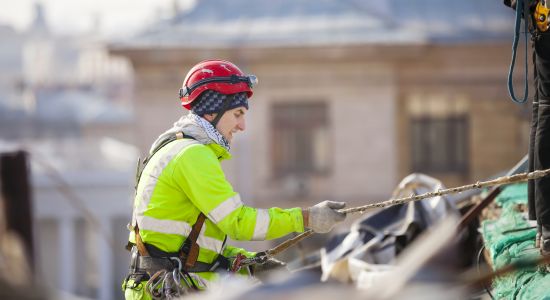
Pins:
x: 190, y: 248
x: 141, y: 164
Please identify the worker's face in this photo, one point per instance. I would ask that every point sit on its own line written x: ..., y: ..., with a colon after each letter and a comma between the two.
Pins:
x: 231, y: 122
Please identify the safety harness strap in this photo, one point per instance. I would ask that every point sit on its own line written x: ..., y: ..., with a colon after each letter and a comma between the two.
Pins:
x: 139, y: 243
x: 141, y: 164
x: 158, y: 259
x: 154, y: 264
x: 190, y: 248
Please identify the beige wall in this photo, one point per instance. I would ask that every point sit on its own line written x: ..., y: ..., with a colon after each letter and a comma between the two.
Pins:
x: 361, y: 108
x: 498, y: 130
x: 156, y: 101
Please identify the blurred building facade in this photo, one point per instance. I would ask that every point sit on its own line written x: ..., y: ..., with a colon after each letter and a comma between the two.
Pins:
x: 353, y: 95
x: 67, y: 101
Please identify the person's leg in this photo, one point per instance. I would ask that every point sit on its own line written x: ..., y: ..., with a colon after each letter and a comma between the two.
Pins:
x: 531, y: 183
x: 542, y: 52
x: 542, y: 162
x: 542, y: 137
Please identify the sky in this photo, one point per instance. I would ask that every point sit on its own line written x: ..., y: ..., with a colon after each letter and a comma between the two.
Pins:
x: 114, y: 17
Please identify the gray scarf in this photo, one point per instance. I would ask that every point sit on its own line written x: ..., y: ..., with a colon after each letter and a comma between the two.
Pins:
x: 197, y: 127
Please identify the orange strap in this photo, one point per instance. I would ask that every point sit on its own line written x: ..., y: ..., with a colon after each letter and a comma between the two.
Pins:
x: 192, y: 238
x: 139, y: 243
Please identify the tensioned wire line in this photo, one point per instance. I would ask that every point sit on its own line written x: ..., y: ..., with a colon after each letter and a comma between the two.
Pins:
x: 504, y: 180
x: 73, y: 198
x: 480, y: 184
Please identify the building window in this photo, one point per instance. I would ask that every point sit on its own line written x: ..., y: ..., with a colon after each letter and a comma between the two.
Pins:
x: 300, y: 144
x: 439, y: 144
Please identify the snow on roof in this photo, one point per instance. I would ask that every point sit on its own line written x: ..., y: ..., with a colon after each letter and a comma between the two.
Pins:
x: 80, y: 106
x: 304, y: 22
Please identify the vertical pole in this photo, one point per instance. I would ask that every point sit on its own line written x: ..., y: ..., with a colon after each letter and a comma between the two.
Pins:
x: 14, y: 183
x: 105, y: 264
x: 67, y: 256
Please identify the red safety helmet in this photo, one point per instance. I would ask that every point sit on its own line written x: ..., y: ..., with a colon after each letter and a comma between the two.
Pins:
x: 218, y: 75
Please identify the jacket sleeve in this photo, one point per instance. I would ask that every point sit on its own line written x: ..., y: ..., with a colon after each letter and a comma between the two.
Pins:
x: 231, y: 251
x: 204, y: 182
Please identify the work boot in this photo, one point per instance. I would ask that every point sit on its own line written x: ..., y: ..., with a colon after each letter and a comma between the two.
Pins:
x: 538, y: 237
x: 545, y: 247
x: 545, y: 241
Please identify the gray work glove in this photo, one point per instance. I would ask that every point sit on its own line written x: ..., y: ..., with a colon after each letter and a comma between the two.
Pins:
x: 323, y: 216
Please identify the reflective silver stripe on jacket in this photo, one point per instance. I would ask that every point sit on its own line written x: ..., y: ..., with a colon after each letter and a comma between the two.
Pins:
x: 225, y: 208
x: 262, y: 225
x: 179, y: 228
x: 208, y: 242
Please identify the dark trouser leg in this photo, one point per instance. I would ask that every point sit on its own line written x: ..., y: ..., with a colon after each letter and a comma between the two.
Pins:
x: 542, y: 161
x: 542, y: 50
x: 542, y: 136
x: 531, y: 183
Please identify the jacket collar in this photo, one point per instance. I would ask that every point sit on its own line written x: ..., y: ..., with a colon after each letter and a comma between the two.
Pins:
x: 202, y: 131
x: 220, y: 152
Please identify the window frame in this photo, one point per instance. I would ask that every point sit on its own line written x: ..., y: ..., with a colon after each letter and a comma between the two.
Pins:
x: 287, y: 118
x: 458, y: 161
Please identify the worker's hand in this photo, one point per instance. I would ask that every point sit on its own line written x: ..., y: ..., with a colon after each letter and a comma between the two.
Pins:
x: 323, y: 216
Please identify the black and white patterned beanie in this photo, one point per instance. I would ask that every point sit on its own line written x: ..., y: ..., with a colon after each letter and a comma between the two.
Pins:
x: 210, y: 102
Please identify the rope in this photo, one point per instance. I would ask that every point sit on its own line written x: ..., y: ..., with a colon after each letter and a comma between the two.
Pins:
x: 520, y: 10
x: 504, y: 180
x: 480, y: 184
x: 288, y: 243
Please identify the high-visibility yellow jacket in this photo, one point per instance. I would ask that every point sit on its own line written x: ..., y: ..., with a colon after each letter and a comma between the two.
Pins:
x: 185, y: 178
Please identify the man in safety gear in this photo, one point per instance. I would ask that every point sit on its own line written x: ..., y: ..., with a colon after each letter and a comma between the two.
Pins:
x: 539, y: 152
x: 184, y: 207
x: 538, y: 191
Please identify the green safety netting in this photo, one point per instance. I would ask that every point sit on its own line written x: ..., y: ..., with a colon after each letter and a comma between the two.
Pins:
x: 509, y: 239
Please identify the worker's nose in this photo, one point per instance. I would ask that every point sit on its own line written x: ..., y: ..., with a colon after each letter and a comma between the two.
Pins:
x: 241, y: 125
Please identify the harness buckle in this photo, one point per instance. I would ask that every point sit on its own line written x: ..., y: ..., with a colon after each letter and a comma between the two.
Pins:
x: 134, y: 259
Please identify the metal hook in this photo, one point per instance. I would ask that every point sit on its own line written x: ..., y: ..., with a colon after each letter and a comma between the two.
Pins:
x: 179, y: 262
x: 186, y: 280
x: 168, y: 287
x: 176, y: 275
x: 153, y: 288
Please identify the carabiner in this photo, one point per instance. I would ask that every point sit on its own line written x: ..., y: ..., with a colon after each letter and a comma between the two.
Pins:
x: 153, y: 287
x: 179, y: 262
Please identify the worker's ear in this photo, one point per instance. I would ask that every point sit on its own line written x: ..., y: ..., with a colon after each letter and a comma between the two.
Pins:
x: 210, y: 117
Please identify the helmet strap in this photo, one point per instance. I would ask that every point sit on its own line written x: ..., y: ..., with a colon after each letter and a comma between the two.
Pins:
x: 250, y: 80
x: 222, y: 110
